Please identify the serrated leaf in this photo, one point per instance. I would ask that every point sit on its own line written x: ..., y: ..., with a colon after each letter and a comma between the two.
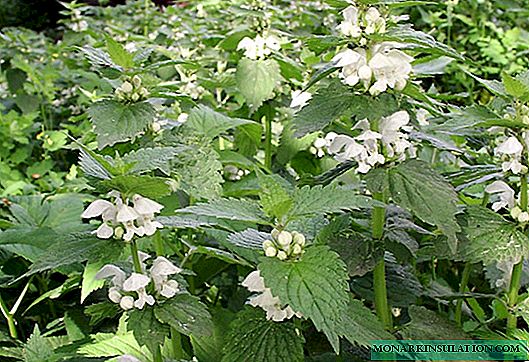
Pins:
x: 116, y: 122
x: 515, y: 87
x: 147, y: 186
x: 491, y: 238
x: 325, y: 200
x: 187, y: 314
x: 38, y: 349
x: 415, y: 186
x: 119, y: 54
x: 207, y: 348
x: 275, y: 198
x: 257, y: 80
x: 99, y: 58
x: 249, y: 238
x: 89, y: 282
x: 254, y: 338
x: 210, y: 123
x: 231, y: 209
x: 361, y: 326
x: 146, y: 328
x: 150, y: 159
x: 421, y: 324
x: 316, y: 285
x: 94, y: 165
x: 100, y: 311
x: 111, y: 345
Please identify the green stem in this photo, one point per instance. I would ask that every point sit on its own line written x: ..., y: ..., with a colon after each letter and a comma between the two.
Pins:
x: 268, y: 137
x: 462, y: 288
x: 146, y: 15
x: 379, y: 273
x: 176, y: 342
x: 135, y: 257
x: 158, y: 355
x: 10, y: 319
x: 158, y: 244
x: 516, y: 275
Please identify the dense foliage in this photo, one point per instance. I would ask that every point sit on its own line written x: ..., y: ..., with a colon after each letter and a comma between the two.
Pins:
x: 263, y: 181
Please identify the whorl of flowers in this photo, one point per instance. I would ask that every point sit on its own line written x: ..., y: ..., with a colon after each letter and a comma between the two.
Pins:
x: 259, y: 47
x: 390, y: 142
x: 123, y: 221
x: 131, y: 91
x: 133, y: 290
x: 510, y: 152
x: 284, y: 244
x: 377, y: 66
x: 505, y: 199
x: 273, y: 307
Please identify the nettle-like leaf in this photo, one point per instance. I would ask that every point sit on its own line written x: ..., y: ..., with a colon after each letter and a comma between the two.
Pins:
x: 211, y: 123
x: 415, y: 186
x: 148, y: 186
x: 254, y: 338
x: 316, y: 285
x: 325, y: 200
x: 147, y: 329
x: 38, y: 348
x: 117, y: 122
x: 150, y: 159
x: 231, y: 209
x: 249, y: 238
x: 361, y: 326
x: 100, y: 58
x: 187, y: 314
x: 257, y: 79
x: 119, y: 54
x: 421, y: 324
x: 491, y: 238
x: 275, y: 198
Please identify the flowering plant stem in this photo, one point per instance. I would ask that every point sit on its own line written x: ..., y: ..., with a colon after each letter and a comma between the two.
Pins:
x: 379, y: 273
x: 268, y: 136
x: 10, y: 319
x: 135, y: 257
x: 465, y: 276
x: 516, y: 275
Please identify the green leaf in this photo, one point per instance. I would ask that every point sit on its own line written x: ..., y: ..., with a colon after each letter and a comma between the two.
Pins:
x: 491, y: 238
x: 256, y: 80
x: 111, y: 345
x: 38, y: 349
x: 231, y: 209
x: 421, y: 324
x: 150, y: 159
x: 187, y: 314
x: 147, y: 186
x: 326, y: 200
x: 147, y: 330
x: 95, y: 165
x: 249, y: 238
x: 515, y: 87
x: 415, y: 186
x: 275, y: 198
x: 207, y: 348
x: 116, y: 122
x: 361, y: 326
x: 99, y: 58
x: 254, y: 338
x: 210, y: 123
x: 89, y: 282
x: 119, y: 54
x: 316, y: 285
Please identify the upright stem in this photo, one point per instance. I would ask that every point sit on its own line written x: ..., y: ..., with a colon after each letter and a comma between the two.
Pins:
x: 379, y: 273
x: 10, y: 319
x: 462, y: 288
x: 135, y: 257
x: 516, y: 275
x: 158, y: 354
x: 158, y: 244
x: 268, y: 136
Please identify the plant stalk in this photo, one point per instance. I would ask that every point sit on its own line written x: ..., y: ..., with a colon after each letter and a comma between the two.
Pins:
x: 10, y: 319
x: 516, y: 274
x: 135, y: 257
x: 379, y: 273
x: 462, y: 288
x: 268, y: 136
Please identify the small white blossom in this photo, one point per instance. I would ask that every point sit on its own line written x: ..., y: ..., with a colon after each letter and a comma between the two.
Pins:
x: 300, y: 99
x: 505, y: 193
x: 354, y: 66
x: 511, y: 152
x: 318, y: 147
x: 350, y: 25
x: 160, y: 271
x: 260, y: 47
x: 391, y: 67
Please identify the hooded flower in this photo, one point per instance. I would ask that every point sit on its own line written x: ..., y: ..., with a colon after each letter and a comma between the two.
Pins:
x: 395, y: 141
x: 350, y: 25
x: 354, y: 66
x: 265, y: 300
x: 137, y: 282
x: 259, y: 47
x: 505, y: 194
x: 107, y: 211
x: 511, y: 152
x: 160, y: 271
x: 391, y: 67
x: 145, y: 209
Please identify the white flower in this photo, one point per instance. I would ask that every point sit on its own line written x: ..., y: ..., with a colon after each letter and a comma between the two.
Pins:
x: 319, y: 147
x: 505, y: 193
x: 137, y: 282
x: 107, y: 211
x: 160, y: 271
x: 127, y: 302
x: 350, y: 26
x: 265, y: 300
x: 117, y: 274
x: 391, y: 67
x: 396, y: 142
x: 259, y: 47
x: 511, y: 150
x: 145, y: 209
x: 374, y: 21
x: 422, y: 117
x: 354, y: 66
x: 143, y: 205
x: 300, y: 99
x: 344, y: 147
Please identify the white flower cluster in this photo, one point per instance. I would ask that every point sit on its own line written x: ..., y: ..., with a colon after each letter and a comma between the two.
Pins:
x: 77, y: 22
x: 357, y: 22
x: 270, y: 304
x: 370, y: 147
x: 123, y: 287
x: 131, y: 90
x: 387, y: 66
x: 506, y: 200
x: 260, y: 47
x: 510, y: 151
x: 284, y: 244
x: 123, y: 221
x: 233, y: 173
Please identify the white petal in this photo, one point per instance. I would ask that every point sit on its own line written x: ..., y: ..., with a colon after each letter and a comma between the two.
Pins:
x: 254, y: 282
x: 143, y: 205
x: 109, y: 270
x: 127, y: 302
x: 162, y: 266
x: 511, y: 146
x: 114, y: 294
x: 126, y: 213
x: 104, y: 231
x: 96, y: 208
x: 135, y: 282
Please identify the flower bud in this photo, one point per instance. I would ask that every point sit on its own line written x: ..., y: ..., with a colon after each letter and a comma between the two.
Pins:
x: 118, y: 232
x: 515, y: 212
x: 284, y: 238
x: 126, y: 87
x: 281, y: 255
x: 523, y: 217
x: 127, y: 302
x: 268, y: 244
x: 271, y: 251
x: 365, y: 72
x: 135, y: 97
x: 136, y: 80
x: 298, y: 238
x: 296, y: 250
x: 275, y: 233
